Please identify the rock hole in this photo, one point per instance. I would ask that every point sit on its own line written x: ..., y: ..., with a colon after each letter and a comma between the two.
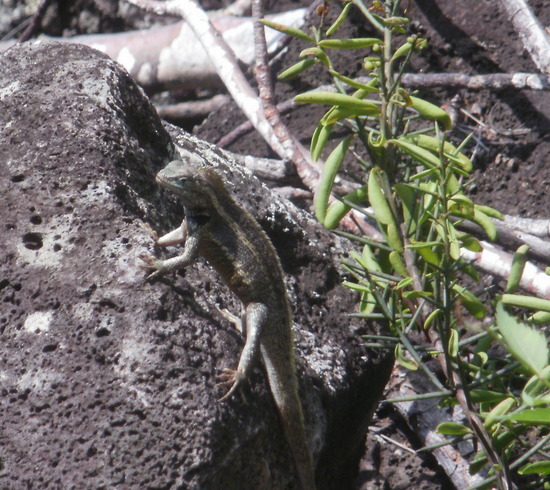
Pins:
x: 102, y: 332
x: 36, y: 220
x: 107, y: 303
x: 33, y: 241
x: 162, y: 314
x: 18, y: 178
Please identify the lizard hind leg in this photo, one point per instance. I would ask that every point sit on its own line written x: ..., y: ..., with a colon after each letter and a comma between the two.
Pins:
x: 253, y: 321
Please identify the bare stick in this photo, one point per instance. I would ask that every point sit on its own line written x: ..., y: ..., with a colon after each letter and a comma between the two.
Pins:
x: 512, y: 237
x: 427, y: 415
x: 193, y: 109
x: 530, y: 31
x: 498, y: 262
x: 151, y: 57
x: 246, y: 126
x: 536, y: 227
x: 495, y: 81
x: 293, y: 149
x: 277, y: 171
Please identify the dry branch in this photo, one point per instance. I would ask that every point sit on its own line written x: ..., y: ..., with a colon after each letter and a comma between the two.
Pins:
x: 183, y: 63
x: 424, y: 416
x: 294, y: 150
x: 266, y: 169
x: 511, y: 238
x: 193, y: 109
x: 536, y: 227
x: 498, y: 262
x: 530, y: 31
x: 495, y: 81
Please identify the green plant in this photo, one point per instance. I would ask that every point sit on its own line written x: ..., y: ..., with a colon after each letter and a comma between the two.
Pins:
x: 412, y: 278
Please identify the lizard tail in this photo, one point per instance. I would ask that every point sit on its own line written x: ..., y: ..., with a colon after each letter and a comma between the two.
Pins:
x: 292, y: 418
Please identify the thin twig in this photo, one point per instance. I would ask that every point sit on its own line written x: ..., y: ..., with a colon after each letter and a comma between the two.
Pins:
x: 495, y: 81
x: 293, y: 148
x: 536, y: 227
x: 512, y: 238
x: 192, y: 109
x: 246, y: 126
x: 396, y: 443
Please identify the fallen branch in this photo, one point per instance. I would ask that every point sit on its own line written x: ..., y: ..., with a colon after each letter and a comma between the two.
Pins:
x: 498, y: 262
x: 495, y: 81
x: 277, y: 171
x: 246, y: 126
x: 512, y: 238
x: 536, y: 227
x: 424, y: 415
x: 193, y: 109
x: 293, y: 149
x: 530, y: 31
x: 184, y: 65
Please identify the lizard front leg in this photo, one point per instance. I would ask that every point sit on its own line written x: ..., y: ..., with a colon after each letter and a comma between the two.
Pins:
x: 257, y: 316
x: 189, y: 255
x: 175, y: 237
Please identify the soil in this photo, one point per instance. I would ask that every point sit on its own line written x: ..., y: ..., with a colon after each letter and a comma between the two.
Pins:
x: 512, y: 170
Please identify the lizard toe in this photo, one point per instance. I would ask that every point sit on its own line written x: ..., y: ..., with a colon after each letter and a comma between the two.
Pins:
x: 233, y: 378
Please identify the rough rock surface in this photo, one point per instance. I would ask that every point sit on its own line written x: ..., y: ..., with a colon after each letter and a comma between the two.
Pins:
x: 108, y: 381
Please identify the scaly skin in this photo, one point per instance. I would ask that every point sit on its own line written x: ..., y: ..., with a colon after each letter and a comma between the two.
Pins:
x: 228, y: 237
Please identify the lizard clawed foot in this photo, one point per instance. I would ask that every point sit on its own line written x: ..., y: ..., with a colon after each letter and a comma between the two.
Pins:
x: 152, y: 263
x: 230, y: 377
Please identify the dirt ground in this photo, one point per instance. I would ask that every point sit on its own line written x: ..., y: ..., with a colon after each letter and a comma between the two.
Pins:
x: 512, y: 168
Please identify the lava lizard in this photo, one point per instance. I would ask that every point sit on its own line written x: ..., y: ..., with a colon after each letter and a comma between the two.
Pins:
x: 229, y: 238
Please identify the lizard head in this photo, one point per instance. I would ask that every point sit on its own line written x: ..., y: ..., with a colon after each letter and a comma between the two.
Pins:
x: 195, y: 186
